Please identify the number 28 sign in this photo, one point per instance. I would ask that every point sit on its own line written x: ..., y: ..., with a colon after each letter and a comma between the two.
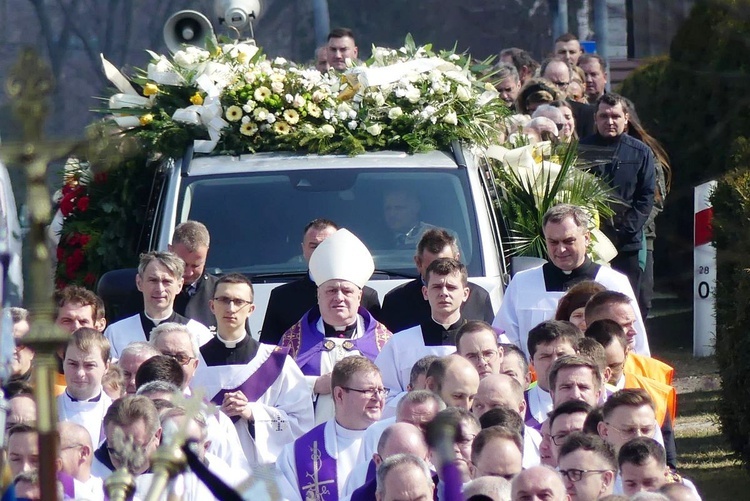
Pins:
x: 704, y: 274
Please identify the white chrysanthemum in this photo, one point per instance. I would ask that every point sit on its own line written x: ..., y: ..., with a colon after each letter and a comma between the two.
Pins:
x: 277, y: 87
x: 352, y: 125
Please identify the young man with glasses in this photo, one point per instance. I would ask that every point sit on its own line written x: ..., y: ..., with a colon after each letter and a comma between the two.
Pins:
x: 322, y: 459
x: 565, y: 420
x: 628, y: 414
x: 588, y: 466
x: 256, y: 384
x: 476, y: 341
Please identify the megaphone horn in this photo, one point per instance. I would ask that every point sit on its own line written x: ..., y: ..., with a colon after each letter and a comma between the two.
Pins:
x: 187, y: 27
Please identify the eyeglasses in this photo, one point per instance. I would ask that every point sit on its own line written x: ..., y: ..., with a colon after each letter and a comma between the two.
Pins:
x: 559, y: 439
x: 371, y: 392
x: 561, y: 85
x: 574, y: 475
x: 73, y: 446
x: 487, y: 356
x: 636, y: 431
x: 227, y: 301
x: 181, y: 358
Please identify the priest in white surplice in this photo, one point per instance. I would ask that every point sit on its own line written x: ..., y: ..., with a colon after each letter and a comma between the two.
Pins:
x: 258, y: 385
x: 317, y: 465
x: 532, y: 295
x: 446, y: 290
x: 338, y: 326
x: 84, y: 402
x: 159, y: 279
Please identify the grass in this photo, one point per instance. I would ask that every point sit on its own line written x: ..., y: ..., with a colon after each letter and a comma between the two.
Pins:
x: 703, y: 453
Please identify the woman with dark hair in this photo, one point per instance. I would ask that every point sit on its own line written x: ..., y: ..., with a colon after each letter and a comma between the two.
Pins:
x: 663, y: 182
x: 571, y: 306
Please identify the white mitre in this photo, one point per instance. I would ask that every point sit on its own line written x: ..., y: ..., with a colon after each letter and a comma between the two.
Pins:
x: 342, y: 256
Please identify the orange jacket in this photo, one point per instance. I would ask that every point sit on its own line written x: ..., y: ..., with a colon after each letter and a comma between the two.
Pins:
x: 649, y: 367
x: 663, y: 395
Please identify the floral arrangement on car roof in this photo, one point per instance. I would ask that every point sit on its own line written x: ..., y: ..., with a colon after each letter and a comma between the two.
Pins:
x: 231, y: 99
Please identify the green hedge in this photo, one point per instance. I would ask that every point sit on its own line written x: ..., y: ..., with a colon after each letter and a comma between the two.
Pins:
x: 696, y: 102
x: 731, y: 202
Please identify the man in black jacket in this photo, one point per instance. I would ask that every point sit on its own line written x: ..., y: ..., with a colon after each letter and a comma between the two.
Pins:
x: 405, y: 306
x: 190, y: 242
x: 289, y: 302
x: 631, y: 175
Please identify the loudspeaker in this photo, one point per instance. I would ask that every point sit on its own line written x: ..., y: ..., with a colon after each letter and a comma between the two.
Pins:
x: 187, y: 27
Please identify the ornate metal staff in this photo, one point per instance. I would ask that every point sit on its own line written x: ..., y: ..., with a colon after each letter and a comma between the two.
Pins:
x: 29, y: 85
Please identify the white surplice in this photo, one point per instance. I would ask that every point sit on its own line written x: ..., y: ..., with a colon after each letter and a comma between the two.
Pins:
x: 397, y: 358
x: 527, y: 303
x: 128, y: 330
x: 282, y: 413
x: 540, y: 403
x: 90, y: 415
x: 343, y: 445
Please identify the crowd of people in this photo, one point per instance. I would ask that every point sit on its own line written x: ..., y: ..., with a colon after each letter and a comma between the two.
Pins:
x: 427, y: 394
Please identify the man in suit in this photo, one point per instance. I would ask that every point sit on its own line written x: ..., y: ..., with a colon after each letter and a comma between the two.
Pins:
x: 190, y: 242
x: 289, y: 302
x: 405, y: 306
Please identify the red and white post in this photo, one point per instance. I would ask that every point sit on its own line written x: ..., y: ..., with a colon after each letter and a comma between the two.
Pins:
x: 704, y: 274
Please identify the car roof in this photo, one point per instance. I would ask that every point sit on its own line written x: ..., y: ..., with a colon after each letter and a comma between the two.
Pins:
x: 264, y: 162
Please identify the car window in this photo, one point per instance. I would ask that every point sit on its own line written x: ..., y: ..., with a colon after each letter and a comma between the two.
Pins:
x: 256, y: 219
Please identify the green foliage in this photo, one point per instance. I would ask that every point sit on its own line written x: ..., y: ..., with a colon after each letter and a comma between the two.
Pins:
x: 731, y: 202
x: 526, y: 197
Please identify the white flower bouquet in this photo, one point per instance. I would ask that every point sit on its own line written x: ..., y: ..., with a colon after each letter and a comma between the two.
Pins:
x: 232, y: 99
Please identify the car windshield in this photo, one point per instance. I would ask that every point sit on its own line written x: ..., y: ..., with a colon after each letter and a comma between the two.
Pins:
x: 256, y: 219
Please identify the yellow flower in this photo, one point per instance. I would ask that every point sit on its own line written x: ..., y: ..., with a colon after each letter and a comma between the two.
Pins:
x: 282, y: 128
x: 234, y: 113
x: 248, y: 129
x: 291, y: 116
x: 196, y: 99
x: 146, y: 119
x: 262, y: 93
x: 150, y: 90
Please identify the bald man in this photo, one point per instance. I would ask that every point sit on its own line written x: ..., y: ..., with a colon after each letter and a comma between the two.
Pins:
x: 76, y: 456
x: 497, y: 390
x: 399, y: 438
x: 495, y: 488
x: 539, y: 482
x: 455, y: 380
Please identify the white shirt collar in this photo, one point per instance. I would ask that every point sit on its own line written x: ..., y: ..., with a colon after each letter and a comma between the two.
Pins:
x: 230, y: 344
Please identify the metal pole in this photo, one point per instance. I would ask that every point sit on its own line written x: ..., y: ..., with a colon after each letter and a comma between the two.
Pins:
x: 322, y: 21
x: 601, y: 32
x: 559, y: 11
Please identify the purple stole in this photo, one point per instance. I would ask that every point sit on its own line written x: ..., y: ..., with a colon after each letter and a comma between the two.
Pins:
x: 68, y: 485
x: 260, y: 380
x: 529, y: 420
x: 307, y: 343
x: 316, y: 469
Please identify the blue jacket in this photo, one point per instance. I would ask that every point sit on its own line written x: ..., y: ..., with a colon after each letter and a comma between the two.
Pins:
x: 632, y: 177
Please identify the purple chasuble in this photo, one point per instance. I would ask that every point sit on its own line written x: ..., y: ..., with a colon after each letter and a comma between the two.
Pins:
x: 312, y: 341
x: 260, y: 380
x: 316, y: 469
x: 68, y: 484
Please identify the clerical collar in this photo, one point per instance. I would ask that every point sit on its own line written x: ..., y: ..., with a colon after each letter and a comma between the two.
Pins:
x: 94, y: 399
x: 435, y: 334
x: 557, y: 280
x: 157, y: 321
x: 344, y: 332
x: 228, y: 343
